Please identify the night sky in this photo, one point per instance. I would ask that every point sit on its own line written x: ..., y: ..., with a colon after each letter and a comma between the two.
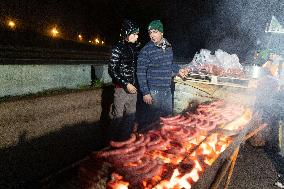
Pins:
x: 232, y: 25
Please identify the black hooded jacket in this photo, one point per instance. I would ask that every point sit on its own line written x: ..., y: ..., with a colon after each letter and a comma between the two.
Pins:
x: 122, y: 65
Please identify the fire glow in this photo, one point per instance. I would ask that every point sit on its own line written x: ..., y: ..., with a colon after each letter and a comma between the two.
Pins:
x: 208, y: 149
x: 179, y: 162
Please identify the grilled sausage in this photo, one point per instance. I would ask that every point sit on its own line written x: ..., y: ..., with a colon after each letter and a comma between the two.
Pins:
x: 118, y: 144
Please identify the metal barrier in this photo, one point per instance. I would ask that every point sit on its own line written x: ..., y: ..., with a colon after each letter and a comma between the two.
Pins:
x: 23, y: 55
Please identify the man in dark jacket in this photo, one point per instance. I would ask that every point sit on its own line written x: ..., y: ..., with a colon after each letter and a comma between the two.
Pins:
x: 155, y: 69
x: 122, y: 69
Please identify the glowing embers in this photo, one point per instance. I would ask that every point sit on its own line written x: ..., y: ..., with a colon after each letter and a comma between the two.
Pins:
x: 190, y: 169
x: 167, y: 170
x: 175, y: 156
x: 239, y: 123
x: 213, y: 147
x: 183, y: 176
x: 117, y: 182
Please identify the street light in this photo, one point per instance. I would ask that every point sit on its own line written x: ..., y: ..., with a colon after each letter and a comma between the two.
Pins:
x: 54, y: 32
x: 11, y: 24
x: 97, y: 41
x: 80, y: 37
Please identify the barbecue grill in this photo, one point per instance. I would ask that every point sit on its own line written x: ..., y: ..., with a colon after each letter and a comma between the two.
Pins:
x: 190, y: 163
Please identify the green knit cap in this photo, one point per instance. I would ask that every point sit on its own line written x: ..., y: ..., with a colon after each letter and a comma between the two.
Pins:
x: 156, y: 25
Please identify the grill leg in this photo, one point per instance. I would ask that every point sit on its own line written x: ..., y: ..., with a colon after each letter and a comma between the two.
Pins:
x: 232, y: 166
x: 230, y: 163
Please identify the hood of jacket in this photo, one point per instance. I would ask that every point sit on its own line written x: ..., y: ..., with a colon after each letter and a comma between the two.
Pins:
x: 128, y: 26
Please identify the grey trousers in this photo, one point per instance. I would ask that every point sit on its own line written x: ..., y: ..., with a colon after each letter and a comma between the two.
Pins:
x: 123, y: 114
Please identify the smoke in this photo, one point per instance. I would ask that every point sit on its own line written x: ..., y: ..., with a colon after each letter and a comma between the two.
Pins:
x: 241, y: 30
x: 268, y: 99
x: 233, y: 26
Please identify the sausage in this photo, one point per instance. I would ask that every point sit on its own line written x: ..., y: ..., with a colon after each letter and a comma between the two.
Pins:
x: 126, y: 169
x: 136, y: 172
x: 108, y: 153
x: 156, y: 170
x: 202, y: 112
x: 154, y: 139
x: 172, y: 128
x: 180, y: 133
x: 181, y: 119
x: 188, y: 114
x: 105, y: 154
x: 170, y: 118
x: 155, y: 132
x: 204, y: 106
x: 175, y: 148
x: 207, y: 126
x: 128, y: 158
x: 216, y: 119
x: 139, y: 140
x: 142, y: 141
x: 190, y: 132
x: 146, y: 168
x: 198, y: 122
x: 193, y: 121
x: 147, y: 140
x: 172, y: 131
x: 159, y: 146
x: 118, y: 144
x: 218, y: 103
x: 164, y: 134
x: 185, y: 122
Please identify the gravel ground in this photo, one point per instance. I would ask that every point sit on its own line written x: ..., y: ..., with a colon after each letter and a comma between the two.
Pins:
x: 254, y: 169
x: 43, y: 134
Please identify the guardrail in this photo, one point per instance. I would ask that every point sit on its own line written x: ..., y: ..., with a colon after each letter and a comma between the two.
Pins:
x: 23, y: 55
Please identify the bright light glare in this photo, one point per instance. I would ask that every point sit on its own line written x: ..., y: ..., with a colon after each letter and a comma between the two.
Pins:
x: 11, y: 24
x: 97, y: 40
x: 54, y: 32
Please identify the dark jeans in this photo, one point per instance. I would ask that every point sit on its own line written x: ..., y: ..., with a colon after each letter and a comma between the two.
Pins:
x: 123, y: 114
x: 162, y: 106
x: 162, y: 102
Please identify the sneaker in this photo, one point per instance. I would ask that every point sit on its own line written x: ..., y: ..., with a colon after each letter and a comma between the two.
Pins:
x: 279, y: 184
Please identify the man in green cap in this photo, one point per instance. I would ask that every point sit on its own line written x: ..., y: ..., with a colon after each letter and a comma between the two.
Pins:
x: 155, y: 69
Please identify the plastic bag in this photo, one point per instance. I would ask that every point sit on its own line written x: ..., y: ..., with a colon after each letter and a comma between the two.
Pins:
x: 220, y: 64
